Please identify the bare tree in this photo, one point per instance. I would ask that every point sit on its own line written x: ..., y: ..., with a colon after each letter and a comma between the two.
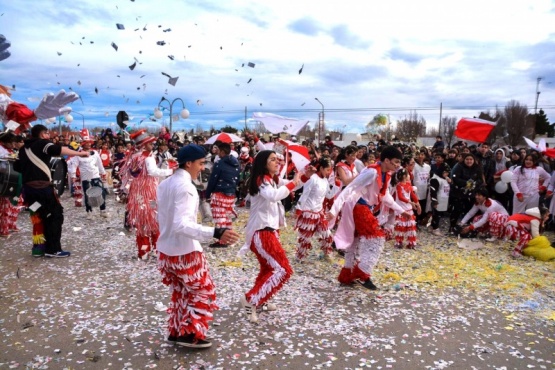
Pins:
x: 410, y: 127
x: 432, y: 132
x: 198, y: 128
x: 518, y: 124
x: 448, y: 126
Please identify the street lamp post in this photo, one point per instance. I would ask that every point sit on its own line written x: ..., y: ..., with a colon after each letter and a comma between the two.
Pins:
x: 320, y: 121
x: 158, y: 113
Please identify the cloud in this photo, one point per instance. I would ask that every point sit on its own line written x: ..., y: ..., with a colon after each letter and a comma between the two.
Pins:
x: 306, y: 26
x: 342, y: 36
x: 402, y: 55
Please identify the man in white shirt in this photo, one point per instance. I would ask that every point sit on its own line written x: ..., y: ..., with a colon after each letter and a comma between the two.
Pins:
x: 92, y: 174
x: 181, y: 259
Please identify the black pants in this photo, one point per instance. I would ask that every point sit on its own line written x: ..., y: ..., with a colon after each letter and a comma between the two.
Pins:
x: 461, y: 206
x: 51, y: 213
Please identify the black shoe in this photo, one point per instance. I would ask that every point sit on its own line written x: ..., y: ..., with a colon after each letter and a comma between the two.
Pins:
x: 217, y: 245
x: 172, y: 338
x: 368, y: 284
x: 190, y: 342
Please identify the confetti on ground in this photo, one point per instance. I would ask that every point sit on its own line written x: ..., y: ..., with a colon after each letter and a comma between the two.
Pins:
x: 437, y: 307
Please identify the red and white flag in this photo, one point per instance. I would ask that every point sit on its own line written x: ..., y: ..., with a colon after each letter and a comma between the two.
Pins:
x: 474, y: 129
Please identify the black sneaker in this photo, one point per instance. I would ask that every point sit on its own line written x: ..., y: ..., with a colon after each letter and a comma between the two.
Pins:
x: 218, y: 245
x: 172, y: 338
x: 60, y: 254
x: 190, y: 342
x: 368, y: 284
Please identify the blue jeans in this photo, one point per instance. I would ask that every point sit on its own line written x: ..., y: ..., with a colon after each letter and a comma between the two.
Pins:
x: 86, y: 186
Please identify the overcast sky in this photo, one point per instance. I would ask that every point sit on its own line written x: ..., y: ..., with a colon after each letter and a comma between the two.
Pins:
x: 360, y: 58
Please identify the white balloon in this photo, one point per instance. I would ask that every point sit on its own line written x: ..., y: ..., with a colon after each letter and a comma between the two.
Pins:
x: 158, y: 113
x: 506, y: 177
x: 501, y: 187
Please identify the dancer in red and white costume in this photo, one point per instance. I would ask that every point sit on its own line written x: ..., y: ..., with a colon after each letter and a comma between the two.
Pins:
x: 311, y: 218
x: 525, y: 227
x: 492, y: 219
x: 9, y: 207
x: 180, y: 256
x: 359, y: 232
x: 406, y: 198
x: 142, y: 193
x: 266, y: 217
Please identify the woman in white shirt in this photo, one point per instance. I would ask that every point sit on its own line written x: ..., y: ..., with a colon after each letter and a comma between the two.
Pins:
x: 266, y: 217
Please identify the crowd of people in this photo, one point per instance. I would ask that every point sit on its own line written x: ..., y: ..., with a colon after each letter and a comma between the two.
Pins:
x: 352, y: 199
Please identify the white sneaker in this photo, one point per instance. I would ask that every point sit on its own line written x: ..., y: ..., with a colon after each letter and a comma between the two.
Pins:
x: 437, y: 232
x: 492, y: 239
x: 249, y: 309
x: 105, y: 214
x: 269, y: 306
x: 90, y: 216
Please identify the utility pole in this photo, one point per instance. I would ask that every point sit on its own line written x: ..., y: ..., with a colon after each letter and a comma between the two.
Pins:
x: 537, y: 94
x: 440, y: 117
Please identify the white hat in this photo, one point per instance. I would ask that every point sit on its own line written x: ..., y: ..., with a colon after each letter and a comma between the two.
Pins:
x: 244, y: 150
x: 535, y: 212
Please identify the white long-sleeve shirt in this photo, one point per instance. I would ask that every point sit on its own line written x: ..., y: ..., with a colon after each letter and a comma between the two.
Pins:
x: 178, y: 203
x: 367, y: 187
x: 488, y: 207
x: 89, y: 167
x: 266, y: 208
x: 314, y: 191
x: 528, y: 182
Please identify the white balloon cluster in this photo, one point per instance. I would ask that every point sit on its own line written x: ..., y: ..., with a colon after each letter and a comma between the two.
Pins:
x: 502, y: 186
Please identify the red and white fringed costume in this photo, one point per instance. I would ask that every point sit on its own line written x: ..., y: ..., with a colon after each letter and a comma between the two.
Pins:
x: 222, y: 209
x: 311, y: 218
x: 8, y: 216
x: 497, y: 222
x: 75, y: 174
x: 275, y: 270
x: 359, y: 231
x: 266, y: 216
x: 493, y: 219
x: 193, y: 294
x: 405, y: 228
x: 142, y: 200
x: 180, y: 257
x: 8, y: 211
x: 522, y: 227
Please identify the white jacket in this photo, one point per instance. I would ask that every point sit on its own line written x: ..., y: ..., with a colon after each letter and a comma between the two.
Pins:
x: 178, y: 203
x: 528, y: 182
x: 314, y: 192
x: 488, y: 207
x: 266, y: 208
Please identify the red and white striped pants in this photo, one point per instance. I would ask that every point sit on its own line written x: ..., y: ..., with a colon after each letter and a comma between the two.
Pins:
x: 309, y: 224
x: 193, y: 294
x: 275, y: 270
x: 222, y: 209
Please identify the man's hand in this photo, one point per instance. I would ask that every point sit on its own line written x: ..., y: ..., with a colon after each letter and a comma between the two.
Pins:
x: 229, y: 237
x: 520, y: 197
x: 83, y: 153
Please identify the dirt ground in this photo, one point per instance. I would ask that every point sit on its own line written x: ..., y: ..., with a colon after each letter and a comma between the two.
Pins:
x: 438, y: 307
